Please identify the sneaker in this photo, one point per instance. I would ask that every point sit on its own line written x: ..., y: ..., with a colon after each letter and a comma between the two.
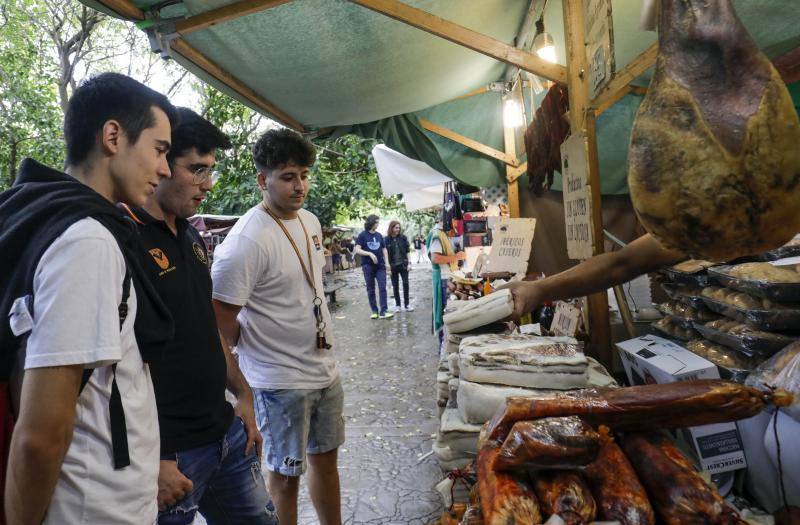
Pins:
x: 396, y: 308
x: 387, y: 315
x: 409, y: 308
x: 373, y: 316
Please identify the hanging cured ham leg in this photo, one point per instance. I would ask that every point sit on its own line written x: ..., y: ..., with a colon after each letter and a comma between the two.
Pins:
x: 714, y: 166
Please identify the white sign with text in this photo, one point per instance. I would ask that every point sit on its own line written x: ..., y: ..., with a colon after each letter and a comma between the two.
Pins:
x: 512, y: 240
x: 565, y: 319
x: 577, y: 197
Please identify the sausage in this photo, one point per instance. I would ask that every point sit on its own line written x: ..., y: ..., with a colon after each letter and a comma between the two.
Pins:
x: 617, y: 491
x: 646, y: 407
x: 506, y: 498
x: 565, y: 494
x: 678, y: 493
x: 554, y: 442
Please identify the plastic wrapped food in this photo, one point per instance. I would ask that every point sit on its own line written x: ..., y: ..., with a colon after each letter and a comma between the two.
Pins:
x: 617, y: 492
x: 685, y: 313
x: 472, y: 516
x: 506, y: 498
x: 691, y: 295
x: 732, y: 365
x: 743, y: 338
x: 790, y: 249
x: 564, y: 493
x: 480, y: 312
x: 781, y: 371
x: 674, y: 329
x: 677, y: 492
x: 761, y: 314
x: 775, y: 283
x: 554, y: 442
x: 646, y: 407
x: 691, y: 272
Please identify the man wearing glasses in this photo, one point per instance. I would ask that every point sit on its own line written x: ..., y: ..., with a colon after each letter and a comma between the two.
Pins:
x: 209, y: 458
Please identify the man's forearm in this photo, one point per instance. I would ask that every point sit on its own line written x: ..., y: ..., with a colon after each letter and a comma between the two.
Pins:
x: 236, y: 382
x: 385, y: 256
x: 609, y: 269
x: 440, y: 258
x: 227, y: 322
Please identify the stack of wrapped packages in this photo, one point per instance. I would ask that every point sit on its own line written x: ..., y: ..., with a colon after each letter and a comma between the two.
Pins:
x: 484, y: 363
x: 602, y: 455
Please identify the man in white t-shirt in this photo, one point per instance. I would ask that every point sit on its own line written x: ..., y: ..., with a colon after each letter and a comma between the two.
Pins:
x: 64, y: 466
x: 269, y: 302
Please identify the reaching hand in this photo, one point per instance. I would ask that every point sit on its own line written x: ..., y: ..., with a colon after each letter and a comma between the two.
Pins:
x: 527, y: 296
x: 244, y: 409
x: 173, y: 486
x: 461, y: 256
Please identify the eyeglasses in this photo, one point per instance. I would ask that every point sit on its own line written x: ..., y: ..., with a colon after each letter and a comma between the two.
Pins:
x: 201, y: 175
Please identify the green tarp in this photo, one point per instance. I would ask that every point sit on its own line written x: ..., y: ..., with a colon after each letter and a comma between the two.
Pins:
x: 333, y: 63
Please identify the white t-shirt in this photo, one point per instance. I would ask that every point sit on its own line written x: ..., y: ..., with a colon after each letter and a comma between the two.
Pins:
x: 257, y: 268
x: 77, y: 288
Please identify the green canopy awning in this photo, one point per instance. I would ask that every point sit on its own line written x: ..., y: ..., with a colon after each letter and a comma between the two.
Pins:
x: 335, y: 64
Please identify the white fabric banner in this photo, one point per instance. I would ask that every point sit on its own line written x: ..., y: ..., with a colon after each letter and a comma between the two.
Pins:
x: 401, y: 174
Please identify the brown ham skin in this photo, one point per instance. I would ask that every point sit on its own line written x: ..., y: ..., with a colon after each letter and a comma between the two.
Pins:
x: 506, y: 498
x: 556, y: 442
x: 617, y: 491
x: 676, y: 490
x: 565, y: 494
x: 646, y: 407
x: 714, y: 167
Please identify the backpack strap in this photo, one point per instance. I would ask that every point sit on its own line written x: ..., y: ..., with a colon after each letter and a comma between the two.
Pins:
x: 119, y: 429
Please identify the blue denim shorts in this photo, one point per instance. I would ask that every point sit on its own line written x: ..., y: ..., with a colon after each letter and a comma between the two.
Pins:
x: 297, y: 422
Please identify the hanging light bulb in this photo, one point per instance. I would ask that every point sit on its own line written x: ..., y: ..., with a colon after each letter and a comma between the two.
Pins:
x: 543, y: 43
x: 512, y: 114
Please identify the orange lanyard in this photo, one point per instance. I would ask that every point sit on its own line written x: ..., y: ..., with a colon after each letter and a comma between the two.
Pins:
x: 309, y: 275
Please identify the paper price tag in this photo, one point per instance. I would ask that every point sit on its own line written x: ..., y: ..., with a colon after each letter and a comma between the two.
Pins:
x: 566, y: 319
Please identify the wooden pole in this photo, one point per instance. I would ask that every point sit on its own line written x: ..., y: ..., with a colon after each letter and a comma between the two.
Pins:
x: 581, y: 119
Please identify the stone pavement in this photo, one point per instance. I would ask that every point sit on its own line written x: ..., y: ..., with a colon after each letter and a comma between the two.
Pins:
x: 388, y: 369
x: 389, y: 372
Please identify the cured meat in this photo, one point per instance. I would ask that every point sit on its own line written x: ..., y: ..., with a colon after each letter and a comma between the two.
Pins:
x: 524, y: 360
x: 714, y: 167
x: 646, y: 407
x: 543, y: 138
x: 473, y: 516
x: 565, y: 494
x: 506, y: 499
x: 480, y: 312
x: 678, y: 493
x: 617, y: 492
x: 553, y: 442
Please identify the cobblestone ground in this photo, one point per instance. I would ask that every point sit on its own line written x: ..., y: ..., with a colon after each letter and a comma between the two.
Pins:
x: 388, y: 368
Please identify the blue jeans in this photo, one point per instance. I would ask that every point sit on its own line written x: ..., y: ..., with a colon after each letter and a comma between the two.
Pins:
x: 228, y: 486
x: 373, y: 272
x: 296, y: 422
x: 443, y: 283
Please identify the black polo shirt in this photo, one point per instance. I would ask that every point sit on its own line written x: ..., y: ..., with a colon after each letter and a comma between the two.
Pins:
x: 190, y: 377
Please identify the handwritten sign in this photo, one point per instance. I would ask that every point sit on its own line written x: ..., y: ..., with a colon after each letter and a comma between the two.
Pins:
x: 512, y: 240
x: 566, y: 319
x: 599, y: 43
x: 577, y: 197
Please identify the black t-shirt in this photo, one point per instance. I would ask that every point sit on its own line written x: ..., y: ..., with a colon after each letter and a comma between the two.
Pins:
x: 189, y: 378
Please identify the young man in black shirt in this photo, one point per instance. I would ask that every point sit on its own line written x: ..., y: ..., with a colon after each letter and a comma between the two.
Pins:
x: 209, y: 458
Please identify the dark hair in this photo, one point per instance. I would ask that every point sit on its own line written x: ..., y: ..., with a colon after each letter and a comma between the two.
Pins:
x: 371, y: 221
x: 110, y: 96
x: 278, y: 147
x: 392, y: 224
x: 195, y: 132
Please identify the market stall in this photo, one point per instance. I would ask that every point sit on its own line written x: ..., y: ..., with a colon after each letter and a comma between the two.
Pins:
x: 438, y: 82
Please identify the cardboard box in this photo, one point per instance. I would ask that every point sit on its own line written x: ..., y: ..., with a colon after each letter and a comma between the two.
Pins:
x: 651, y: 359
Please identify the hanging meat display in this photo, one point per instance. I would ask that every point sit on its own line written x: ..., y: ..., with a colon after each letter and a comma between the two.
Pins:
x: 543, y: 138
x: 506, y: 498
x: 714, y: 166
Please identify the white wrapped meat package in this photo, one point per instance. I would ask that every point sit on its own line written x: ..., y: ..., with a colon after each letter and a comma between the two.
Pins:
x: 478, y: 402
x: 452, y: 363
x: 524, y: 360
x: 486, y: 310
x: 460, y: 437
